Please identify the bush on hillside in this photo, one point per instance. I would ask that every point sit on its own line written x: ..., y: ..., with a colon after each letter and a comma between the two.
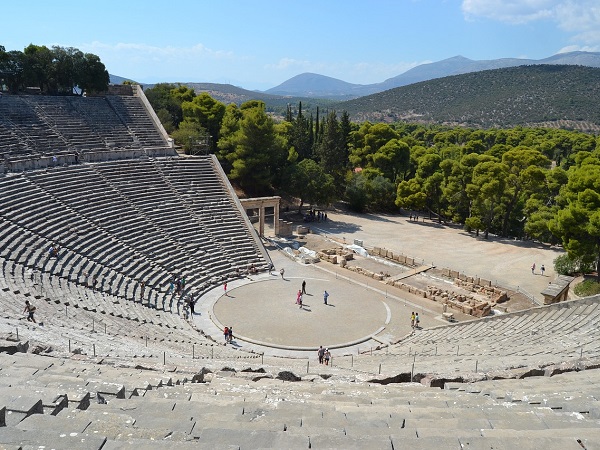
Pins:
x: 587, y: 288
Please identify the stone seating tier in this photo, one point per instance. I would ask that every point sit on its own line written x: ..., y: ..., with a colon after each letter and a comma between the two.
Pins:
x: 33, y: 125
x: 112, y: 228
x: 116, y: 407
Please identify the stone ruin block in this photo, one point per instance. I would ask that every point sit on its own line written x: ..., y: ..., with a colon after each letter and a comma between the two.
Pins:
x: 446, y: 272
x: 410, y: 261
x: 484, y: 282
x: 501, y: 298
x: 469, y: 279
x: 462, y: 277
x: 453, y: 274
x: 376, y: 251
x: 389, y: 254
x: 343, y: 262
x: 476, y: 281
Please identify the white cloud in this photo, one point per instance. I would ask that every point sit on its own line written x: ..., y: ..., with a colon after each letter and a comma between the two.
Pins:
x: 143, y: 51
x: 510, y: 11
x: 580, y: 18
x: 579, y: 48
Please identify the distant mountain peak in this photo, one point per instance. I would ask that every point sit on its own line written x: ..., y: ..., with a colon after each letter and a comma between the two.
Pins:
x: 456, y: 58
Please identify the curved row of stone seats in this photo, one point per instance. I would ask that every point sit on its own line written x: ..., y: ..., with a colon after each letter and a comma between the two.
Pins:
x: 572, y: 392
x: 58, y: 225
x: 67, y: 122
x: 23, y: 124
x: 99, y: 324
x: 200, y: 186
x: 110, y: 407
x: 11, y: 143
x: 132, y: 112
x: 39, y: 204
x: 61, y: 302
x: 34, y: 125
x: 142, y: 183
x: 535, y: 338
x: 98, y: 111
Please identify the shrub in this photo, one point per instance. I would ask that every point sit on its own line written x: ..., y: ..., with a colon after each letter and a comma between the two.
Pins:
x: 565, y: 265
x: 587, y: 288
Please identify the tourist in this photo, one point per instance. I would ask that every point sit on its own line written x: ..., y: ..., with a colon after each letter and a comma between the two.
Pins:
x: 417, y: 321
x: 192, y: 304
x: 230, y: 334
x: 299, y: 298
x: 533, y: 269
x: 29, y: 309
x: 326, y: 356
x: 225, y: 288
x: 226, y: 334
x: 304, y: 286
x: 142, y: 291
x: 281, y: 272
x: 542, y: 269
x: 325, y: 296
x: 321, y: 354
x: 412, y: 320
x: 171, y: 284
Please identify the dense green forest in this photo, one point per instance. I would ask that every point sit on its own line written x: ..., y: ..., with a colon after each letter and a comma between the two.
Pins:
x: 56, y: 70
x: 535, y: 183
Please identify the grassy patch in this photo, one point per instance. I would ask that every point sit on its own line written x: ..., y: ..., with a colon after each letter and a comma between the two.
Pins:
x: 587, y: 288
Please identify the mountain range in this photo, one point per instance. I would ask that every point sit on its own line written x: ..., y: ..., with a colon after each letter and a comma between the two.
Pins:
x: 321, y: 88
x: 313, y: 85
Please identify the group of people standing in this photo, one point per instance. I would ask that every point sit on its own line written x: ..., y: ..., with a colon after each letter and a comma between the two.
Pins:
x: 414, y: 320
x: 542, y: 269
x: 176, y: 284
x: 228, y: 335
x: 302, y: 291
x: 324, y: 355
x: 315, y: 216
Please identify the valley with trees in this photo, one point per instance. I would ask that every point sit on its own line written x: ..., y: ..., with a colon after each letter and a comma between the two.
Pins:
x: 519, y: 182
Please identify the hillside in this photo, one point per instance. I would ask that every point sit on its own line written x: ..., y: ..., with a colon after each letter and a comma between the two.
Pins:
x: 565, y: 96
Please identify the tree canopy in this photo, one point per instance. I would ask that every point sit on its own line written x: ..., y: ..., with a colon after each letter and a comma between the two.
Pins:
x: 56, y: 70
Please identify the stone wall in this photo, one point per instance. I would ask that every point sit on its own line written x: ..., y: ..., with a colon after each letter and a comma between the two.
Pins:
x: 484, y: 296
x: 396, y: 257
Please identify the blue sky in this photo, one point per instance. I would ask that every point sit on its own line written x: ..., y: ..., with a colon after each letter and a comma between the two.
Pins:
x: 259, y: 44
